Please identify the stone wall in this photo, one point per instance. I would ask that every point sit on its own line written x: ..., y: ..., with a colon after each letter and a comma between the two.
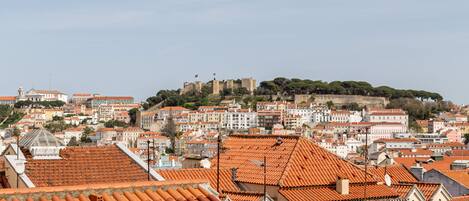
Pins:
x: 369, y: 101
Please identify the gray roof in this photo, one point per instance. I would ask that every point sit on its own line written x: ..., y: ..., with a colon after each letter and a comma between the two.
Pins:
x: 40, y: 138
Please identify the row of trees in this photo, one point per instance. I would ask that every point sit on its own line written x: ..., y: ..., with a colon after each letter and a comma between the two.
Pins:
x: 286, y: 86
x: 46, y: 104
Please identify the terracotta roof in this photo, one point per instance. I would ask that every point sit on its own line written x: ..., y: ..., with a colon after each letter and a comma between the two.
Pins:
x: 294, y: 162
x: 113, y: 98
x: 416, y: 152
x: 174, y: 108
x: 446, y: 144
x: 135, y: 191
x: 461, y: 198
x: 7, y: 98
x: 356, y: 192
x: 428, y: 189
x: 444, y: 164
x: 85, y: 165
x: 403, y: 189
x: 244, y: 196
x: 460, y: 152
x: 398, y: 174
x: 226, y: 182
x: 403, y: 140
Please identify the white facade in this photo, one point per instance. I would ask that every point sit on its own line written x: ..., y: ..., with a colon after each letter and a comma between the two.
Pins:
x: 240, y: 119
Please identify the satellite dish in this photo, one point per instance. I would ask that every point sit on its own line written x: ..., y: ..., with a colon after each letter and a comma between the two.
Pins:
x: 387, y: 180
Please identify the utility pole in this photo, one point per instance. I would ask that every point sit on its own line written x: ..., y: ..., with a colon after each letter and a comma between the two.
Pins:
x: 366, y: 162
x: 148, y: 158
x: 218, y: 160
x: 265, y: 178
x: 17, y: 158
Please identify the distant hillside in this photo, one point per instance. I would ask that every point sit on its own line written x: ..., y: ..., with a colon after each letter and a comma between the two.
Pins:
x: 287, y: 86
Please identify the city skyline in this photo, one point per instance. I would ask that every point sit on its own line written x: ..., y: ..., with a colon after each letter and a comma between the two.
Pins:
x: 121, y: 48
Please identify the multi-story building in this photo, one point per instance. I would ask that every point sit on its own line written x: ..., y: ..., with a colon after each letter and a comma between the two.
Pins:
x: 166, y: 112
x: 102, y: 100
x: 292, y: 121
x: 435, y: 125
x: 341, y: 116
x: 81, y: 98
x: 388, y: 115
x: 268, y: 118
x: 119, y: 112
x: 321, y: 114
x: 276, y: 105
x: 304, y: 111
x: 42, y: 95
x: 7, y: 100
x: 241, y: 119
x: 129, y: 136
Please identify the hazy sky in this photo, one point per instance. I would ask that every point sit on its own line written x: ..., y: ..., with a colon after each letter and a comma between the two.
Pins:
x: 138, y: 47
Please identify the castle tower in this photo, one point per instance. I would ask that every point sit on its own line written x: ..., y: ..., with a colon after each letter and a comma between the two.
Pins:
x: 215, y: 87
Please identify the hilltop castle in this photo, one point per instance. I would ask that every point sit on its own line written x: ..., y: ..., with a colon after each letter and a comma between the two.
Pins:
x: 219, y: 85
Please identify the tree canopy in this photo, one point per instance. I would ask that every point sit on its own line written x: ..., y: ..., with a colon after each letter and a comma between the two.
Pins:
x: 294, y: 86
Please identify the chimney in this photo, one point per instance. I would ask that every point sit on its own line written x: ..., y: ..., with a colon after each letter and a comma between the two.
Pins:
x: 234, y: 174
x: 279, y: 141
x: 342, y: 185
x: 417, y: 171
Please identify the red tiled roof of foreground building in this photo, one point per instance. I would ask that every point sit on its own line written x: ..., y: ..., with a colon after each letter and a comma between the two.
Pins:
x: 135, y: 191
x: 292, y: 162
x: 226, y: 182
x: 243, y: 196
x: 85, y: 165
x: 398, y: 173
x: 403, y: 189
x: 356, y: 192
x: 428, y: 189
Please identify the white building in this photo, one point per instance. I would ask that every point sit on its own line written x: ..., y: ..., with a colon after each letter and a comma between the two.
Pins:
x: 42, y: 95
x: 241, y: 119
x: 388, y: 116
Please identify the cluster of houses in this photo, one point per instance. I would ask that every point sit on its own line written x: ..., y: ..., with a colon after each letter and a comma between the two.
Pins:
x: 295, y: 151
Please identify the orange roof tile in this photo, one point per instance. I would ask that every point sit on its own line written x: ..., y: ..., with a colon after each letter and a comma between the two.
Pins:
x: 135, y: 191
x: 226, y: 183
x: 7, y: 98
x: 428, y: 189
x: 243, y: 196
x: 113, y: 98
x: 398, y: 173
x: 85, y: 165
x: 294, y: 162
x: 440, y: 165
x: 417, y: 152
x: 356, y: 192
x: 403, y: 140
x: 403, y: 189
x: 461, y: 198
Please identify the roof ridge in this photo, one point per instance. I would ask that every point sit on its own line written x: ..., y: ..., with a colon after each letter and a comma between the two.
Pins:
x: 288, y: 163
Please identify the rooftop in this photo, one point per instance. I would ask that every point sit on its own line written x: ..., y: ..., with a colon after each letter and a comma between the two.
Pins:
x: 135, y: 191
x: 398, y: 173
x: 292, y: 161
x: 85, y: 165
x: 356, y: 192
x: 226, y: 182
